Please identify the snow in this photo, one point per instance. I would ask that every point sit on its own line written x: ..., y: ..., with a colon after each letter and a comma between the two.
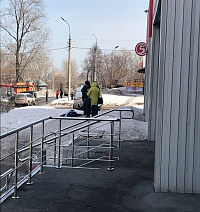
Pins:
x: 132, y: 129
x: 136, y: 129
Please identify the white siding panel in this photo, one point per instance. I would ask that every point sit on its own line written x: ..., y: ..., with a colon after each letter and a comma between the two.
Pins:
x: 196, y: 172
x: 184, y: 96
x: 147, y: 80
x: 177, y: 130
x: 167, y: 96
x: 159, y: 112
x: 192, y: 97
x: 175, y: 94
x: 154, y: 84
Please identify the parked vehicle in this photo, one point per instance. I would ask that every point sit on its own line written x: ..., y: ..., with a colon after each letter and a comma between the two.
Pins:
x: 78, y: 102
x: 31, y: 92
x: 25, y: 99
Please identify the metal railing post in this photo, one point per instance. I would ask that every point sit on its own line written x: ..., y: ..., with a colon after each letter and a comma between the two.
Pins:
x: 30, y: 156
x: 54, y: 159
x: 110, y: 166
x: 72, y: 160
x: 88, y: 142
x: 7, y: 181
x: 16, y: 165
x: 42, y: 150
x: 59, y: 144
x: 120, y: 127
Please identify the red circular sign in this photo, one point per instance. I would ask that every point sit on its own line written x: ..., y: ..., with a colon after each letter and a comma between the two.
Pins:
x: 140, y: 49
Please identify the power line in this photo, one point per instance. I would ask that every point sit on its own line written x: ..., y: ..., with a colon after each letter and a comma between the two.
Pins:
x: 61, y: 48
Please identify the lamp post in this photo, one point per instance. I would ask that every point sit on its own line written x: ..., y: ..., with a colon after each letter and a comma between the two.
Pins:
x: 95, y: 60
x: 115, y: 48
x: 69, y: 62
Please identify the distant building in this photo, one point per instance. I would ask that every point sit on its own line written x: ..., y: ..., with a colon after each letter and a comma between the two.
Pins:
x: 41, y: 85
x: 172, y: 93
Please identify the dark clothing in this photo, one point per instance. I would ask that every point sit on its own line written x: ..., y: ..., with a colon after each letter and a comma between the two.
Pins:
x: 94, y: 110
x: 87, y: 107
x: 61, y: 93
x: 86, y: 100
x: 84, y: 91
x: 47, y: 93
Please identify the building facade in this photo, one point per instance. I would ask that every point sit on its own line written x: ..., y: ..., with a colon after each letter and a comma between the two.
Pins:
x: 172, y: 93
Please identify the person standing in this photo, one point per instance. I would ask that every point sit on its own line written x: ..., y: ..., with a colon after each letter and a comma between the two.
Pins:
x: 47, y: 95
x: 61, y: 93
x: 86, y: 99
x: 94, y: 94
x: 57, y: 93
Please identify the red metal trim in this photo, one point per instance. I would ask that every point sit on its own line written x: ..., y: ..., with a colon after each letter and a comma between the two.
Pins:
x: 150, y: 20
x: 6, y: 86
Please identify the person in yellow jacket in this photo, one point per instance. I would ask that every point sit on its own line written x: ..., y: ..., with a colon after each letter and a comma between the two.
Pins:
x: 94, y: 94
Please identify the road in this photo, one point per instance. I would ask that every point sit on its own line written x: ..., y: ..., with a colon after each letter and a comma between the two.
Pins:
x: 7, y: 106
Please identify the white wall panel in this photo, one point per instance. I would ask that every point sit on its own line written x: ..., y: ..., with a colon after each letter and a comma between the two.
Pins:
x: 192, y: 98
x: 159, y: 108
x: 177, y: 129
x: 184, y: 95
x: 176, y: 73
x: 196, y: 165
x: 154, y: 83
x: 196, y: 171
x: 167, y: 95
x: 147, y: 80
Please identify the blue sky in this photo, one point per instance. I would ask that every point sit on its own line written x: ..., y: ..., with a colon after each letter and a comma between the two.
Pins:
x: 114, y: 22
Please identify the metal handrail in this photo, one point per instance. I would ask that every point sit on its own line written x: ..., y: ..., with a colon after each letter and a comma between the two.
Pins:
x: 24, y: 127
x: 57, y: 136
x: 6, y: 175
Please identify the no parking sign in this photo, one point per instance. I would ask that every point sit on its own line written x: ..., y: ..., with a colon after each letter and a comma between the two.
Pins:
x: 140, y: 49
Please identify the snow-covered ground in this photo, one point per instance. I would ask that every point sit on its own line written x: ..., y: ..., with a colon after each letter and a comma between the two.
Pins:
x: 136, y: 128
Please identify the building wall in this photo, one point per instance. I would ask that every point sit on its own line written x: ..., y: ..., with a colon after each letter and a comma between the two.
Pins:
x: 173, y: 96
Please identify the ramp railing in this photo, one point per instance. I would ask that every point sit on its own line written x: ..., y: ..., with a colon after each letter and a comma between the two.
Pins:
x: 77, y: 138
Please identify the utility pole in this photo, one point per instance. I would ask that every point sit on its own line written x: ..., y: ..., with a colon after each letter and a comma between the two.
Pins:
x: 69, y: 70
x: 95, y: 63
x: 95, y: 60
x: 69, y: 62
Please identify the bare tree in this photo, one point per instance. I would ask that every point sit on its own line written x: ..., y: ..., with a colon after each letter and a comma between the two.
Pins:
x: 22, y: 24
x: 89, y: 64
x: 7, y: 63
x: 112, y: 68
x: 74, y: 76
x: 39, y: 67
x: 118, y: 65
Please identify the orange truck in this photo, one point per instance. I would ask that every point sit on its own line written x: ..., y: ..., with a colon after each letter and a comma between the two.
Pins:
x: 21, y: 87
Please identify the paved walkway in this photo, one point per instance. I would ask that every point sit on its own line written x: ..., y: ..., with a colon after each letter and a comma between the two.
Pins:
x: 128, y: 188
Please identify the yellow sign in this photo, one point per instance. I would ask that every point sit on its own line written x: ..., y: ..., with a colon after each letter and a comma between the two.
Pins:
x: 133, y: 84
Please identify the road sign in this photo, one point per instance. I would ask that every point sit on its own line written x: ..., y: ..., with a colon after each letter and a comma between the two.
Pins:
x: 140, y: 49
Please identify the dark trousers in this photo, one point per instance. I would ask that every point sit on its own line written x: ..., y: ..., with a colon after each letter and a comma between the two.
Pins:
x: 87, y: 106
x: 94, y: 110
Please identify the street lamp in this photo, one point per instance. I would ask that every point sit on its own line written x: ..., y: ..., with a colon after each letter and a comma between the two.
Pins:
x: 95, y: 60
x: 115, y: 48
x: 69, y: 62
